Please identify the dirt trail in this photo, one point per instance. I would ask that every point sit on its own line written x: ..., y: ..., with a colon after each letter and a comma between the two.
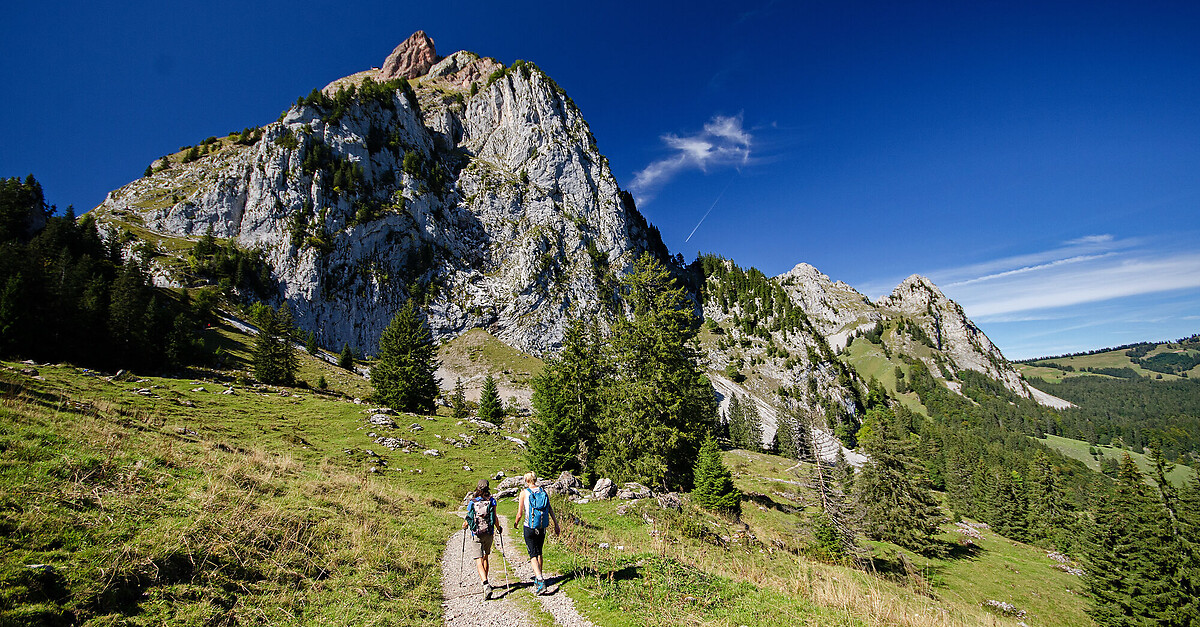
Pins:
x: 464, y: 605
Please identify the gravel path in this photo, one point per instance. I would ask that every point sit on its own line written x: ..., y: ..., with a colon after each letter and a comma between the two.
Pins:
x: 464, y: 605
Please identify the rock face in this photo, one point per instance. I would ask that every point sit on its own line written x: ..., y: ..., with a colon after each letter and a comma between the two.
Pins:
x: 480, y: 193
x: 832, y: 307
x: 951, y: 332
x: 412, y: 58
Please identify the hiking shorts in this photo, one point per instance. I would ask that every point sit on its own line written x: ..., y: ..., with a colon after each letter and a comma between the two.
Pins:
x: 534, y: 539
x: 480, y: 545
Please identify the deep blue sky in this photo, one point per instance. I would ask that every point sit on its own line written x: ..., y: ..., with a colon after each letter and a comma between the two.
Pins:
x: 1039, y: 161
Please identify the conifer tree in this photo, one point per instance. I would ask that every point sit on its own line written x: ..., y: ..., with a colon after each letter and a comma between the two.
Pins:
x: 490, y: 408
x: 1049, y: 509
x: 736, y: 419
x: 660, y: 405
x: 784, y: 441
x: 403, y: 372
x: 566, y: 402
x: 713, y: 482
x: 310, y: 343
x: 459, y: 401
x: 894, y: 497
x: 753, y: 422
x: 275, y: 359
x: 346, y: 358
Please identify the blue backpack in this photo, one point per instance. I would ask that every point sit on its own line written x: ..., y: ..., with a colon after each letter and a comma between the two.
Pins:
x: 539, y: 509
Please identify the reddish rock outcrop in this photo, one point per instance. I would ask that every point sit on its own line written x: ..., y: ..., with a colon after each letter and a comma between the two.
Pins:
x: 410, y: 59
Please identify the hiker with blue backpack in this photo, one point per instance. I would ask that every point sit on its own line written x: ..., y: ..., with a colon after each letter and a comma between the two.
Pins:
x: 535, y: 511
x: 481, y: 520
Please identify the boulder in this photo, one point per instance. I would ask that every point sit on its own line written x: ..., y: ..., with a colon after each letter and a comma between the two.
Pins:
x: 604, y: 489
x: 567, y: 483
x: 412, y: 58
x: 382, y: 420
x: 670, y: 500
x: 634, y: 490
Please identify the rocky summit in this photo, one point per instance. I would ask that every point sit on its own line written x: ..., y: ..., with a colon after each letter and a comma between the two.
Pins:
x: 411, y: 59
x: 478, y: 190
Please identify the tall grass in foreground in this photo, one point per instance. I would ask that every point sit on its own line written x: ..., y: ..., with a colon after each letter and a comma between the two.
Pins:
x: 682, y: 573
x: 109, y: 516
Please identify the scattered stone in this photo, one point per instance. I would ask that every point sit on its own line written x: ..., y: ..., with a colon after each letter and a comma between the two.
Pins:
x: 498, y: 476
x: 382, y: 410
x: 382, y: 420
x: 467, y: 468
x: 634, y: 490
x: 604, y: 545
x: 432, y: 452
x: 32, y: 372
x: 373, y: 469
x: 469, y: 440
x: 415, y: 427
x: 518, y: 441
x: 670, y: 500
x: 1004, y: 609
x: 186, y: 403
x: 199, y: 390
x: 483, y: 424
x: 604, y: 489
x: 229, y: 391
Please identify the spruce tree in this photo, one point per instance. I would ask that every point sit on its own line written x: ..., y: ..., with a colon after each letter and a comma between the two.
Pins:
x: 403, y: 372
x: 346, y: 358
x: 894, y: 498
x: 713, y: 482
x: 566, y: 402
x: 458, y: 402
x: 490, y: 408
x: 660, y: 405
x: 736, y: 420
x: 754, y: 432
x: 310, y: 343
x: 275, y: 360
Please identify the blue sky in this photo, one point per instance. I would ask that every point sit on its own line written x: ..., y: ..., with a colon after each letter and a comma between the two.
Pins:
x: 1039, y: 161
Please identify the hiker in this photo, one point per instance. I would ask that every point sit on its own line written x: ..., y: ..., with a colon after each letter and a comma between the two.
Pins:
x: 534, y: 509
x: 481, y: 520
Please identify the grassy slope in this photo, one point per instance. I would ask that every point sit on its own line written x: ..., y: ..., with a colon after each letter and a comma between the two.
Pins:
x: 1078, y: 449
x: 197, y: 507
x: 1107, y: 359
x: 261, y: 506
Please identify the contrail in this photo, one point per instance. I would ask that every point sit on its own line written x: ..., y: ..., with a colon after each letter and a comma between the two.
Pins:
x: 714, y: 206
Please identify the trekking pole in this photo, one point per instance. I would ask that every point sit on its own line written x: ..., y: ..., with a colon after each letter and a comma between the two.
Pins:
x: 504, y: 560
x: 462, y: 557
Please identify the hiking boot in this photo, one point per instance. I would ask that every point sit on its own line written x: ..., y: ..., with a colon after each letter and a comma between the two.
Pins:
x: 487, y: 591
x: 540, y: 587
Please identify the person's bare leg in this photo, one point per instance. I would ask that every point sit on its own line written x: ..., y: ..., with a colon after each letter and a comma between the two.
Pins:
x: 481, y: 565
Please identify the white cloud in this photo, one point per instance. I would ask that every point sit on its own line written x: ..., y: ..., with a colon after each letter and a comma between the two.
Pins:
x: 722, y: 143
x: 1101, y: 278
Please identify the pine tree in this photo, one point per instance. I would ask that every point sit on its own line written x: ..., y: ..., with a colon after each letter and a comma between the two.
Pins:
x: 784, y: 441
x: 458, y: 402
x: 736, y: 419
x: 894, y: 497
x: 713, y: 482
x: 346, y: 358
x: 566, y: 401
x: 1049, y: 510
x: 660, y: 405
x: 490, y: 409
x: 403, y: 373
x: 275, y: 360
x: 754, y: 432
x: 310, y: 343
x: 127, y: 314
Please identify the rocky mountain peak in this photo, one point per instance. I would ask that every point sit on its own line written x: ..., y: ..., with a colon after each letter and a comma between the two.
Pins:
x: 412, y: 58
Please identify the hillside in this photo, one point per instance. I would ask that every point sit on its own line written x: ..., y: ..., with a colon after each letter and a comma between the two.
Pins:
x: 172, y: 500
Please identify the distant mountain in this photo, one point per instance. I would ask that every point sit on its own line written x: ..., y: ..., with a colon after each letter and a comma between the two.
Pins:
x: 478, y: 190
x: 1154, y: 360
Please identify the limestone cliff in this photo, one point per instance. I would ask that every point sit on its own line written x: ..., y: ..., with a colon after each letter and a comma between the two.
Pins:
x: 477, y: 189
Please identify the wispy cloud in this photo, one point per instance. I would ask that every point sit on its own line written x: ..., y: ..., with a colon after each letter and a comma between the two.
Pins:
x: 1075, y: 280
x: 722, y: 143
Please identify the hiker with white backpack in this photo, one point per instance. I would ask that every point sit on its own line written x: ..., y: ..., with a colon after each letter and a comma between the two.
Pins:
x: 534, y: 510
x: 481, y: 520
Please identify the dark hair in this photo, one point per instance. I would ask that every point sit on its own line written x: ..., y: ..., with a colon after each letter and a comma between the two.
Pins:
x: 482, y: 490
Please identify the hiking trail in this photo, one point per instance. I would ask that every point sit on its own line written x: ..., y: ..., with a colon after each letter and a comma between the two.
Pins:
x: 464, y: 605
